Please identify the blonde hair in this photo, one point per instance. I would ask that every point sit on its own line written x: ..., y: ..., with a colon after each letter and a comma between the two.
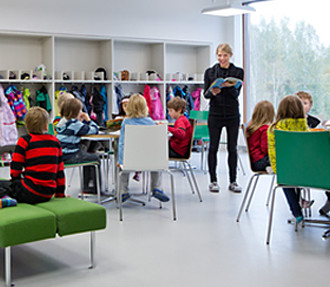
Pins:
x: 36, y: 120
x: 290, y: 107
x: 136, y: 107
x: 177, y: 104
x: 225, y: 48
x: 305, y: 96
x: 71, y: 108
x: 263, y: 114
x: 62, y: 98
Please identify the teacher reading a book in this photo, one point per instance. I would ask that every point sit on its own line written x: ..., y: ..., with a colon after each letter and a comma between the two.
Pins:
x: 222, y: 85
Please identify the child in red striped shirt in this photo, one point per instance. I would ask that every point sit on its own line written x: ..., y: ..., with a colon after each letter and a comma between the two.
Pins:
x: 37, y: 168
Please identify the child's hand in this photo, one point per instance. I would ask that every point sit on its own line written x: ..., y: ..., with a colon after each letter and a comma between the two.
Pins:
x: 84, y: 116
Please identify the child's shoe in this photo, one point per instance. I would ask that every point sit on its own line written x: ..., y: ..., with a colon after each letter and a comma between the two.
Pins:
x: 137, y: 176
x: 7, y: 201
x: 269, y: 170
x: 160, y: 195
x: 306, y: 203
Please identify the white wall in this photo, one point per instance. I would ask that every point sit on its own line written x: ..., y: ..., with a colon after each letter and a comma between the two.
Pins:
x: 153, y: 19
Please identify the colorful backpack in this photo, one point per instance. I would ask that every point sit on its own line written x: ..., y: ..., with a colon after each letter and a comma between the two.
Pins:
x: 8, y: 131
x: 196, y: 95
x: 157, y: 110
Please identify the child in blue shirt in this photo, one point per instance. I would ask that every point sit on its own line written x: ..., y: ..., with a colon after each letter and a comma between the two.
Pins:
x: 136, y: 114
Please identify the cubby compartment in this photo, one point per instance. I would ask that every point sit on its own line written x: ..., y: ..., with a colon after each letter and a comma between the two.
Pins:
x: 138, y: 57
x: 186, y: 62
x: 25, y: 53
x: 80, y: 57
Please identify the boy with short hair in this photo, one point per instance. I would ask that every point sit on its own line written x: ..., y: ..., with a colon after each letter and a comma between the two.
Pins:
x: 181, y: 131
x: 36, y: 169
x: 307, y: 100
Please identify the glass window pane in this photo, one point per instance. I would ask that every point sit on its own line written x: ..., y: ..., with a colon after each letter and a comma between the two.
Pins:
x: 289, y: 52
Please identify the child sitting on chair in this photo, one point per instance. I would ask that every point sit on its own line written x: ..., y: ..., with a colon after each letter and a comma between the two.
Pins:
x: 73, y: 125
x: 136, y: 113
x: 61, y: 99
x: 290, y: 117
x: 256, y: 133
x: 307, y: 100
x: 36, y: 168
x: 179, y: 142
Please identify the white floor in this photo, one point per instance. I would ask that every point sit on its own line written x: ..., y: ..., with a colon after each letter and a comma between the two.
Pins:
x: 204, y: 247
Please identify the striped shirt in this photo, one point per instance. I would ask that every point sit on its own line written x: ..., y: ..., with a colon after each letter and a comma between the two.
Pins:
x: 37, y: 161
x: 69, y: 134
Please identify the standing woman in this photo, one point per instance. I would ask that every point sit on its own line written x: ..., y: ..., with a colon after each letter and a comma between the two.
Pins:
x: 224, y: 112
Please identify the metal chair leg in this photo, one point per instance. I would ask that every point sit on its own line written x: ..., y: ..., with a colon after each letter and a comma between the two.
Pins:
x: 245, y: 198
x: 252, y: 193
x: 172, y: 195
x: 270, y: 190
x: 194, y: 180
x: 98, y: 187
x: 241, y: 164
x: 188, y: 177
x: 271, y: 215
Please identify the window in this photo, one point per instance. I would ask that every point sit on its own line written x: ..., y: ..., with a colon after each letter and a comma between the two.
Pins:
x: 289, y: 50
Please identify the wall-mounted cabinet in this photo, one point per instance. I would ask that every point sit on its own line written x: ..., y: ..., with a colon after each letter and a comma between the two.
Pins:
x: 73, y: 60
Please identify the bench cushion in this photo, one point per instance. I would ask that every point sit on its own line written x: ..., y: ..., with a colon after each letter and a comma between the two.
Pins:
x: 25, y: 223
x: 74, y: 215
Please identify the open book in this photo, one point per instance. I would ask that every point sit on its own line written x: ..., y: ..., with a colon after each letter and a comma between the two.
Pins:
x: 219, y: 83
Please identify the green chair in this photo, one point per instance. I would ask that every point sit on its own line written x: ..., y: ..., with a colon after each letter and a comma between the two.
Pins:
x: 201, y: 131
x: 302, y: 160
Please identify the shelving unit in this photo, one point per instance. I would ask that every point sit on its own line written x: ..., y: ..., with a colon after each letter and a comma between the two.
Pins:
x: 77, y: 58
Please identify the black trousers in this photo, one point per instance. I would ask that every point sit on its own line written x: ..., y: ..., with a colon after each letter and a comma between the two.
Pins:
x: 215, y: 125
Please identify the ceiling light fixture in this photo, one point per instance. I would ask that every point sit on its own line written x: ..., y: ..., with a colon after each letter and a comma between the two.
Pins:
x: 228, y: 9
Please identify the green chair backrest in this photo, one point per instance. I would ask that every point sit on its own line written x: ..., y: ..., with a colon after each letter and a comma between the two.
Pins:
x: 303, y: 158
x: 51, y: 130
x: 199, y: 115
x: 201, y: 130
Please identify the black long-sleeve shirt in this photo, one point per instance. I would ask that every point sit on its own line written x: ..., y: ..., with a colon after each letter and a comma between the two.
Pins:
x: 225, y: 104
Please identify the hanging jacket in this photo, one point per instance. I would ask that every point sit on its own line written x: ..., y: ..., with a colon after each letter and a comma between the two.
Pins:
x: 116, y: 100
x: 8, y: 131
x: 77, y: 94
x: 103, y: 92
x: 86, y: 97
x: 169, y: 96
x: 16, y: 103
x: 157, y: 110
x: 42, y: 99
x: 196, y: 95
x: 189, y: 99
x: 146, y: 95
x: 26, y: 97
x: 98, y: 103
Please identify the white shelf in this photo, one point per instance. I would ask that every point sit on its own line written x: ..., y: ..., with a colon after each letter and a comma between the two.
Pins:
x: 79, y: 57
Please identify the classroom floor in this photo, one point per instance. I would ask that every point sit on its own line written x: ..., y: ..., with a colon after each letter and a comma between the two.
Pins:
x: 204, y: 247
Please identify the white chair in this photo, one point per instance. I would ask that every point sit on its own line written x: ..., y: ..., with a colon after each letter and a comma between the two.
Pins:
x: 145, y: 149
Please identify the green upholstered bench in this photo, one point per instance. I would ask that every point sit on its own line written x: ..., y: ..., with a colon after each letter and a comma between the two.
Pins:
x: 63, y: 216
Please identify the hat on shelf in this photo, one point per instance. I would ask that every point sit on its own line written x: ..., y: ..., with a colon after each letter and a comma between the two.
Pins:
x: 100, y: 70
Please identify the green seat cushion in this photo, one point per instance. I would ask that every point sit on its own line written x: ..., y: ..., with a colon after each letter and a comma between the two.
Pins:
x: 25, y: 223
x: 75, y: 215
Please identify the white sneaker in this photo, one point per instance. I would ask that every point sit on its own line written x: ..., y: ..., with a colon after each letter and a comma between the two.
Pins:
x: 214, y: 187
x: 234, y: 187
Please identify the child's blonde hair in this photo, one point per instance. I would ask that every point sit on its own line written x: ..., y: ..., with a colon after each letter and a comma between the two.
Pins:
x: 177, y: 104
x: 62, y: 98
x: 263, y: 114
x: 290, y: 107
x: 36, y: 120
x: 305, y: 96
x: 137, y: 107
x: 71, y: 108
x: 225, y: 48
